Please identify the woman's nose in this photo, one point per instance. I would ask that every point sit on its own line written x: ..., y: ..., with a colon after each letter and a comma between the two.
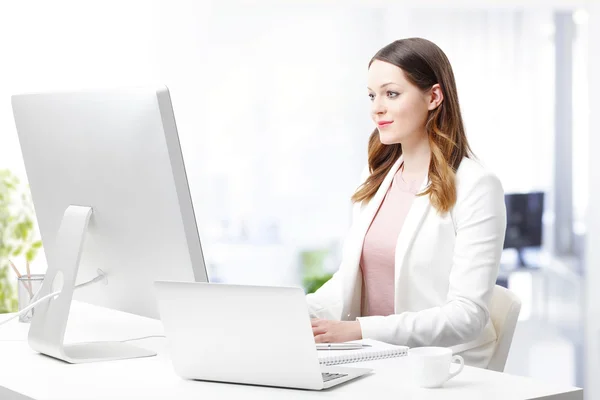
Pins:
x: 378, y: 107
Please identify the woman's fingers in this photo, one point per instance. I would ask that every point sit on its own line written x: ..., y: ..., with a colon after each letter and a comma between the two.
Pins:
x: 322, y: 338
x: 319, y: 330
x: 319, y: 326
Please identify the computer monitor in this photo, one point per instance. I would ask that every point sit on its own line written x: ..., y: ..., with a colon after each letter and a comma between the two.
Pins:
x: 524, y: 213
x: 110, y: 193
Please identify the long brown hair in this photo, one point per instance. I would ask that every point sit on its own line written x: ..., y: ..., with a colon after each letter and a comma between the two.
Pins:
x: 424, y: 64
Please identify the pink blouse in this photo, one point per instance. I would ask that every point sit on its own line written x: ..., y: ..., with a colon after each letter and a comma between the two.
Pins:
x: 379, y: 247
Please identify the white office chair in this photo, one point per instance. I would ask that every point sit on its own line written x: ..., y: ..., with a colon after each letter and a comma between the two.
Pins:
x: 504, y: 312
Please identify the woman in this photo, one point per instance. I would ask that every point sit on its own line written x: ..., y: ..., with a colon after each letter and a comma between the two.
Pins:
x: 421, y: 258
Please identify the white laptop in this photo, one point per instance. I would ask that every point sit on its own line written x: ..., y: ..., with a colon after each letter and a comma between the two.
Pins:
x: 244, y: 334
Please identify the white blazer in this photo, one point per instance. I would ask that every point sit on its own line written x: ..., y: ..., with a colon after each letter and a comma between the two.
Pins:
x: 445, y: 269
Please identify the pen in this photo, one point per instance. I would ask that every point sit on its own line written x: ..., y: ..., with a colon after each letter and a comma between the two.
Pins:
x: 29, y: 280
x: 19, y: 276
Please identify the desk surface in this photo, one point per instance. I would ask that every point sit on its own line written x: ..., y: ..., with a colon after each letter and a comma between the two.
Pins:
x: 25, y: 374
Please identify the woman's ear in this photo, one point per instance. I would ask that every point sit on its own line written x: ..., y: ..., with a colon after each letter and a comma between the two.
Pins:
x: 435, y: 98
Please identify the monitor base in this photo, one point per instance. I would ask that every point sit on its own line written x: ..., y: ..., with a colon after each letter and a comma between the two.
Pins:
x: 78, y: 353
x: 49, y: 322
x: 521, y: 264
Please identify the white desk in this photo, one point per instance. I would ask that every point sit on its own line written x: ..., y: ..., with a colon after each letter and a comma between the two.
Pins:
x: 25, y: 374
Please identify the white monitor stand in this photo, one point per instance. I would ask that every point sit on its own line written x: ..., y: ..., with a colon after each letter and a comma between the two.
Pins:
x: 49, y: 322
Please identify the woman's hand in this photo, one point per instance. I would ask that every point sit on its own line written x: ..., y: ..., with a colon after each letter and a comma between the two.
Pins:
x: 326, y: 331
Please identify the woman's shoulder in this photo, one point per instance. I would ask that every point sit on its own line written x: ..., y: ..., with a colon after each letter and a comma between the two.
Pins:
x: 472, y: 174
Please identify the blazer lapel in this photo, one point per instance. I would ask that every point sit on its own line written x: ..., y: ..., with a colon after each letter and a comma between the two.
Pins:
x: 414, y: 219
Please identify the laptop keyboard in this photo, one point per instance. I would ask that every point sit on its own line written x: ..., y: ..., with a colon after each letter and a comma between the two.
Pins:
x: 329, y: 377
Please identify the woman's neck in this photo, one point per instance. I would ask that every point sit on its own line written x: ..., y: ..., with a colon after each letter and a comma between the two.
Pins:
x: 416, y: 157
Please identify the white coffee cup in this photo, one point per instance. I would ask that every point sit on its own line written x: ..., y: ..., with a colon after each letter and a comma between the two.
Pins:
x: 430, y: 366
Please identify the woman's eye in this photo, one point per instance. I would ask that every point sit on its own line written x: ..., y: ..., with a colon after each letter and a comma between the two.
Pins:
x: 391, y: 94
x: 371, y: 96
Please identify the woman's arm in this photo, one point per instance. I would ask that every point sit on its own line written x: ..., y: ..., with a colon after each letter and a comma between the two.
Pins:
x: 480, y: 222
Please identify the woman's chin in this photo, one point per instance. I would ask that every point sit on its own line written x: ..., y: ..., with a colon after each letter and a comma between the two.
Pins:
x: 387, y: 139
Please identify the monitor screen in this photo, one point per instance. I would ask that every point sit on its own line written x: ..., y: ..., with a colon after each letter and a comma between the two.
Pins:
x: 524, y: 219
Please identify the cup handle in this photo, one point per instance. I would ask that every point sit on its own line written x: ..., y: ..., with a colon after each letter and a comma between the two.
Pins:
x: 460, y: 367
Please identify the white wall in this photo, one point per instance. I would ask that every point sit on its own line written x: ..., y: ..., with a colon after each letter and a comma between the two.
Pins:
x: 592, y: 261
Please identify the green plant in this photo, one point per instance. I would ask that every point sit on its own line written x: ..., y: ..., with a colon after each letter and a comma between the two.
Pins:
x: 313, y: 283
x: 312, y: 267
x: 18, y: 237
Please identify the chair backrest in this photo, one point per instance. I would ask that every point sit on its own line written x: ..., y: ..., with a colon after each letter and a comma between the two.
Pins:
x: 504, y: 313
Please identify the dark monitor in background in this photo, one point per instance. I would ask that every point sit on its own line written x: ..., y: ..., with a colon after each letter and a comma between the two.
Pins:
x: 523, y: 221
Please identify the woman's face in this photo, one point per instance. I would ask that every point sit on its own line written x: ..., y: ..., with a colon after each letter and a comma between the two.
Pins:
x: 399, y: 108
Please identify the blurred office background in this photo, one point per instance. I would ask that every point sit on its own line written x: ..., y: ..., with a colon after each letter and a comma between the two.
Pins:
x: 273, y: 116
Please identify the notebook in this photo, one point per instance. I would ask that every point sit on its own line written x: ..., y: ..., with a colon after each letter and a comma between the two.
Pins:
x: 376, y: 351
